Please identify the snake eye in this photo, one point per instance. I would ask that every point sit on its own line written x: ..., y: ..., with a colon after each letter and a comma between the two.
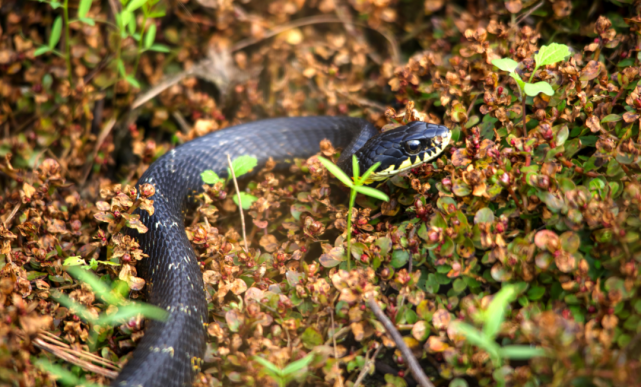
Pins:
x: 412, y: 146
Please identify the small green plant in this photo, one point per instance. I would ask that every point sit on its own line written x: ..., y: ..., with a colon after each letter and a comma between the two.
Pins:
x: 283, y: 376
x: 357, y: 185
x: 56, y: 31
x: 114, y: 296
x: 63, y: 376
x: 547, y: 55
x: 492, y: 318
x: 126, y: 27
x: 242, y: 165
x: 120, y: 310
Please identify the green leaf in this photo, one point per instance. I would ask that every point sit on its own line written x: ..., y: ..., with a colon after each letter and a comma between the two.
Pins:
x: 93, y: 264
x: 399, y: 258
x: 519, y: 81
x: 75, y: 308
x: 131, y: 26
x: 475, y: 337
x: 63, y: 376
x: 98, y: 287
x: 32, y: 275
x: 246, y: 198
x: 132, y: 81
x: 611, y: 118
x: 533, y: 89
x: 562, y: 136
x: 210, y: 177
x: 74, y: 261
x: 471, y: 122
x: 150, y: 35
x: 88, y: 21
x: 551, y: 54
x: 370, y: 171
x: 159, y: 48
x: 123, y: 19
x: 336, y: 171
x: 459, y: 285
x: 506, y: 64
x: 356, y: 168
x: 83, y: 8
x: 56, y: 31
x: 243, y: 164
x: 495, y: 313
x: 41, y: 50
x: 458, y: 382
x: 536, y: 292
x: 125, y: 313
x: 121, y: 68
x: 298, y: 365
x: 371, y: 192
x: 484, y: 215
x: 271, y: 367
x: 521, y: 352
x: 311, y: 338
x: 135, y: 4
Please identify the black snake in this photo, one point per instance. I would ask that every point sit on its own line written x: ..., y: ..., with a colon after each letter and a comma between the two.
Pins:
x: 170, y: 352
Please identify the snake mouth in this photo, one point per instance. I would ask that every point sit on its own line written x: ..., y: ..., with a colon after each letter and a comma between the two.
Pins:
x: 436, y: 146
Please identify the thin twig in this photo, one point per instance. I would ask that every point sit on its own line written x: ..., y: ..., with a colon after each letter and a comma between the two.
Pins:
x: 73, y: 357
x: 240, y: 203
x: 7, y: 221
x: 184, y: 126
x: 368, y: 364
x: 524, y: 119
x: 529, y: 12
x: 50, y: 337
x: 339, y: 333
x: 471, y: 107
x: 412, y: 363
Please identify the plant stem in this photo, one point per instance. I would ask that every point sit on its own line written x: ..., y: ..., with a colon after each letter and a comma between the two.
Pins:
x: 524, y: 128
x: 119, y: 44
x: 140, y: 41
x: 240, y: 203
x: 409, y: 358
x: 352, y: 199
x: 68, y: 46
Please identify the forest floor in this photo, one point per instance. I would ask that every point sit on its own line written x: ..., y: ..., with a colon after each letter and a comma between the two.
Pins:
x: 511, y: 259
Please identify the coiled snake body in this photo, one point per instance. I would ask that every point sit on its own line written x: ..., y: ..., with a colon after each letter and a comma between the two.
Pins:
x: 170, y: 352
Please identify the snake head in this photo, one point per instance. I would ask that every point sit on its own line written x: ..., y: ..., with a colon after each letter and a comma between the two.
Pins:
x: 403, y: 148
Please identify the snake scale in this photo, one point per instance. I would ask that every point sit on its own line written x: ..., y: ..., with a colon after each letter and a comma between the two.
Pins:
x: 170, y: 352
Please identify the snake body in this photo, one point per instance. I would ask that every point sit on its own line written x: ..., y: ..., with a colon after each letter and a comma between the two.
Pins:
x: 171, y: 351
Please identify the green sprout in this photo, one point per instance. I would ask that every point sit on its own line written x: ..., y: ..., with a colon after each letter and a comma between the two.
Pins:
x: 492, y: 318
x: 357, y: 185
x: 113, y: 297
x: 241, y: 165
x: 283, y: 376
x: 547, y: 55
x: 63, y: 376
x: 126, y: 26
